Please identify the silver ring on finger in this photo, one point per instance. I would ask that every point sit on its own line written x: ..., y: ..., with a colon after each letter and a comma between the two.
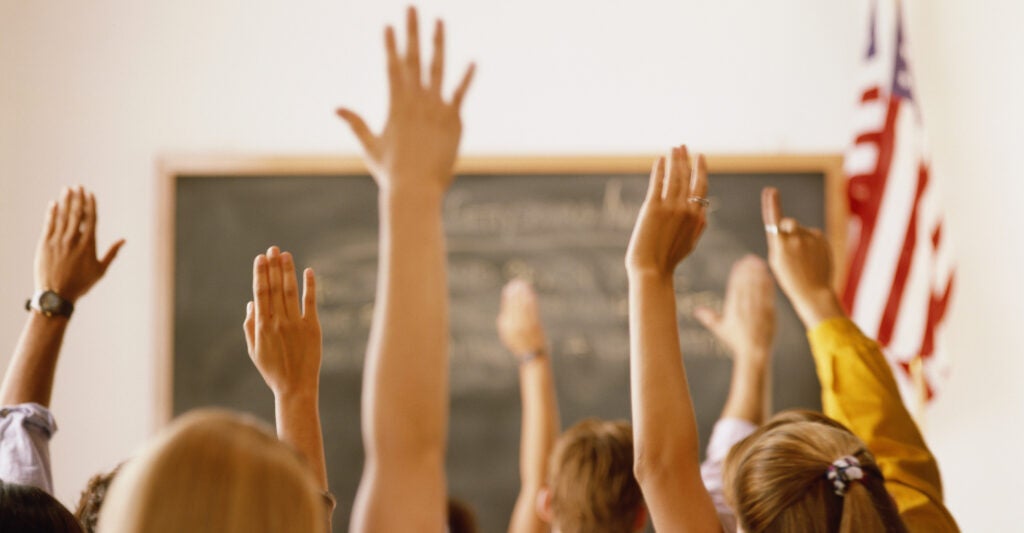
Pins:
x: 771, y: 229
x: 701, y: 201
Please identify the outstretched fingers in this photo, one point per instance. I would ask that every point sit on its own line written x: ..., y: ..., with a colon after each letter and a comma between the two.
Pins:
x: 309, y: 294
x: 74, y: 220
x: 249, y: 326
x: 63, y: 213
x: 657, y: 183
x: 674, y: 178
x: 111, y: 254
x: 460, y: 91
x: 395, y: 76
x: 771, y: 208
x: 89, y: 219
x: 412, y: 47
x: 708, y: 318
x: 437, y: 64
x: 261, y: 287
x: 290, y: 286
x: 50, y: 221
x: 699, y: 179
x: 362, y: 132
x: 276, y: 283
x: 682, y: 156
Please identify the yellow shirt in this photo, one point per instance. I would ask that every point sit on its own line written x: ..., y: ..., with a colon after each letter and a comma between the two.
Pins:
x: 859, y: 390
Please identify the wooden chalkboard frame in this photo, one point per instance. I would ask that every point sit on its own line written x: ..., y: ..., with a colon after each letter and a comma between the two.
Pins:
x: 170, y: 168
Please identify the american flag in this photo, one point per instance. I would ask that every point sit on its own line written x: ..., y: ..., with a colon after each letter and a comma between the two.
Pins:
x: 900, y: 275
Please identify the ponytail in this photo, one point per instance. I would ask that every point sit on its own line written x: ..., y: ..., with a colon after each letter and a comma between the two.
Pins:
x: 802, y: 471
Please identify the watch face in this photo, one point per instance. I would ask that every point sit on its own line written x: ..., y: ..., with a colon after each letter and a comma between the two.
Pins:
x: 49, y: 302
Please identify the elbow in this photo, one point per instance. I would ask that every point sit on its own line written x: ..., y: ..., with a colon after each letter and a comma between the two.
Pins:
x: 649, y: 466
x: 646, y: 465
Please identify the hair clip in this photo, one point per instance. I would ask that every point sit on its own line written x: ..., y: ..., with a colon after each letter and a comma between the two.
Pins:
x: 844, y: 471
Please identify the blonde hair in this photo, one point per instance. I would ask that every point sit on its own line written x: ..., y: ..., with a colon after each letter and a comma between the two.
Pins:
x: 777, y: 480
x: 591, y: 478
x: 214, y: 471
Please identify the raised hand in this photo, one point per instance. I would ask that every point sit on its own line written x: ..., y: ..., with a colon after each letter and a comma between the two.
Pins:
x: 421, y: 137
x: 284, y: 340
x: 519, y: 325
x: 520, y: 329
x: 672, y: 217
x: 801, y: 260
x: 665, y: 442
x: 747, y: 322
x: 66, y: 260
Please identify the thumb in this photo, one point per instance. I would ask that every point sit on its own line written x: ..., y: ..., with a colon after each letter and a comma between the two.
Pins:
x: 359, y: 128
x: 249, y: 326
x: 111, y: 254
x: 708, y: 318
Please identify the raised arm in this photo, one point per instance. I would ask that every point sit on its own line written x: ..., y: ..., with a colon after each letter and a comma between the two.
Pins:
x: 66, y: 267
x: 747, y: 327
x: 521, y: 332
x: 286, y: 345
x: 857, y: 385
x: 666, y: 458
x: 405, y: 380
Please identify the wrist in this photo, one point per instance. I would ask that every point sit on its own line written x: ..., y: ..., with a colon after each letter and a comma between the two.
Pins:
x: 528, y: 357
x: 424, y: 193
x: 50, y: 321
x: 817, y: 307
x: 49, y: 303
x: 753, y: 357
x: 647, y: 274
x: 302, y: 397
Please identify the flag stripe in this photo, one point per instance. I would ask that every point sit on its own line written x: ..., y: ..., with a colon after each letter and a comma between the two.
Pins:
x: 892, y: 306
x: 865, y: 205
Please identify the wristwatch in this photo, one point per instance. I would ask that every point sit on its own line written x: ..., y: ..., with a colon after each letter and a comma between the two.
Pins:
x: 49, y: 304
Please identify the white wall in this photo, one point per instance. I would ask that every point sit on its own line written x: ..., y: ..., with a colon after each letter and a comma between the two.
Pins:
x: 971, y: 84
x: 93, y: 92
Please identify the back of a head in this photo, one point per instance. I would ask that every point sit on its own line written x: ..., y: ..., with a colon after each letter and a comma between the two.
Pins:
x: 92, y: 498
x: 591, y: 479
x: 28, y: 509
x: 214, y: 471
x: 777, y: 480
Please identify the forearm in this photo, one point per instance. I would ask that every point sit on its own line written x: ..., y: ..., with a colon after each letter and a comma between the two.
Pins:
x: 540, y: 427
x: 298, y: 424
x: 748, y: 389
x: 664, y: 424
x: 31, y: 371
x: 665, y: 444
x: 406, y: 380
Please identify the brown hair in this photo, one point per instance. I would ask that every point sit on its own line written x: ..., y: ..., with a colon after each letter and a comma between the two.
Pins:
x: 214, y: 471
x: 777, y: 480
x: 91, y: 500
x: 591, y: 478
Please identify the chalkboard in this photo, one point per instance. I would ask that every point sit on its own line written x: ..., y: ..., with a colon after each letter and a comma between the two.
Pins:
x: 564, y: 223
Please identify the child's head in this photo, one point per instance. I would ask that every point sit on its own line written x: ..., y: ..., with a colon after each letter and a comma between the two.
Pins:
x: 803, y: 471
x: 591, y: 487
x: 213, y: 470
x: 28, y: 508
